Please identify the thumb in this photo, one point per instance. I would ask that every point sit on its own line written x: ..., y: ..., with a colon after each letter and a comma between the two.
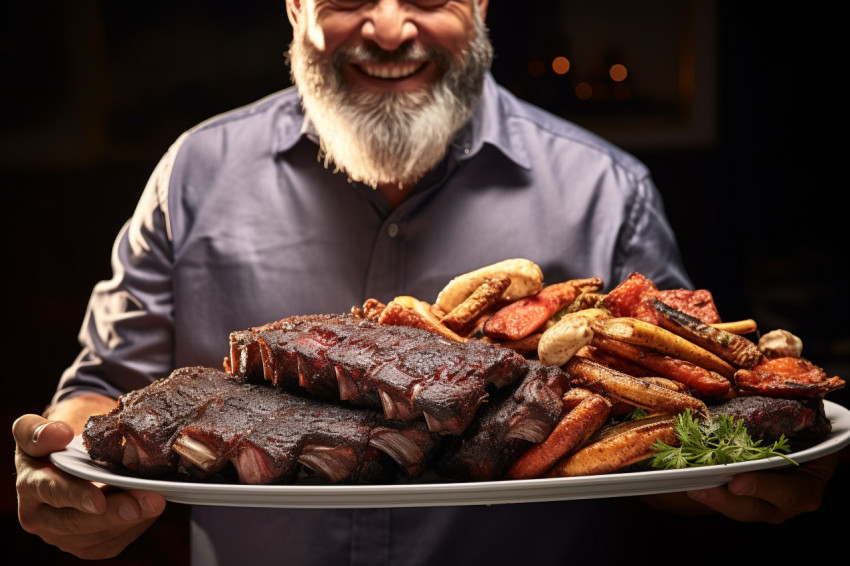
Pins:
x: 37, y: 436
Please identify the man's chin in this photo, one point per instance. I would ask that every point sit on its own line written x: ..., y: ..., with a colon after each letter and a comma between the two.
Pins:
x: 386, y: 139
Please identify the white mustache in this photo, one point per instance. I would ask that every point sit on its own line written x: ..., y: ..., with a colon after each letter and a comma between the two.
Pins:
x: 373, y: 54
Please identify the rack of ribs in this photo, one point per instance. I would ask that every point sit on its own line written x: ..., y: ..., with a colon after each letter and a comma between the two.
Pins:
x: 407, y: 372
x: 518, y: 417
x: 245, y: 359
x: 201, y: 422
x: 768, y: 418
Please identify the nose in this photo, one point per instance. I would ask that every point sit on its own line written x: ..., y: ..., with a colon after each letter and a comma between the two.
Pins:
x: 388, y: 25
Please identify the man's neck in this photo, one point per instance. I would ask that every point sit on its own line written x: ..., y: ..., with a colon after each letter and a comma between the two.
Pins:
x: 395, y: 193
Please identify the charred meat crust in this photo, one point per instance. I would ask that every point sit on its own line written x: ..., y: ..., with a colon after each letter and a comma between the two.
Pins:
x: 767, y: 418
x: 263, y: 432
x: 518, y: 417
x: 408, y: 372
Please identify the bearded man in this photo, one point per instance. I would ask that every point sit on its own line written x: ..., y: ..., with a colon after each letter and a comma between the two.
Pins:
x: 394, y: 164
x: 386, y: 110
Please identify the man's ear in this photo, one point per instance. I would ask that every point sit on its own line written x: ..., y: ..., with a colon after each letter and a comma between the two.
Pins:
x: 293, y: 11
x: 482, y: 7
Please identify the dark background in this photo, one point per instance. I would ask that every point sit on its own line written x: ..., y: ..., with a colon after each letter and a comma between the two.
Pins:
x: 93, y: 93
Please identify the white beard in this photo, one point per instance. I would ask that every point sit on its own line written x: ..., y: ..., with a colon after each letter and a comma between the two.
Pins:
x: 377, y: 138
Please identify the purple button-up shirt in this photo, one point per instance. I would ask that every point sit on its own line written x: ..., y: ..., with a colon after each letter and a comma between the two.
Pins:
x: 240, y: 224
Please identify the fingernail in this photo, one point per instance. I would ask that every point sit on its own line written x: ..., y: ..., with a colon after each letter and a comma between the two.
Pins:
x: 698, y: 495
x: 146, y: 505
x: 88, y: 505
x: 128, y: 512
x: 37, y: 432
x: 742, y: 488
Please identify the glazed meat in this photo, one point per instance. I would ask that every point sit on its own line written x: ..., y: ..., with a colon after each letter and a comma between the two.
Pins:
x: 408, y: 372
x: 245, y: 360
x: 767, y: 418
x: 520, y: 416
x: 139, y: 432
x: 200, y: 421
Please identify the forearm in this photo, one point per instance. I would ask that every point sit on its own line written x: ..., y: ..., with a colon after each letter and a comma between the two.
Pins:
x: 76, y: 410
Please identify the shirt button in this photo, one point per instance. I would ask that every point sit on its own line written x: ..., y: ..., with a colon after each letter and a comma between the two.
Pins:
x: 392, y: 230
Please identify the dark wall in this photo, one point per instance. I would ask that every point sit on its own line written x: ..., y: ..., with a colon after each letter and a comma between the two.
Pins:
x: 94, y: 92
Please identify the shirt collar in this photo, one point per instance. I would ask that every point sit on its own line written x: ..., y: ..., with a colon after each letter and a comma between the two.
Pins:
x: 291, y: 124
x: 491, y: 124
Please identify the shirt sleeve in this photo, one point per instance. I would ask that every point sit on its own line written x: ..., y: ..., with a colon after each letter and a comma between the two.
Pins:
x: 647, y: 243
x: 127, y: 332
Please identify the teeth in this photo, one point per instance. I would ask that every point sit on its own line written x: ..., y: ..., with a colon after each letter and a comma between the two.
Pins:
x: 390, y: 71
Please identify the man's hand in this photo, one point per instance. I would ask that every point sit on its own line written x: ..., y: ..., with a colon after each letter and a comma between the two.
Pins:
x: 766, y: 497
x: 771, y: 497
x: 88, y: 520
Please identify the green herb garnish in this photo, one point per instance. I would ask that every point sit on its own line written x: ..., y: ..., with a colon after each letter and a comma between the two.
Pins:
x: 719, y: 439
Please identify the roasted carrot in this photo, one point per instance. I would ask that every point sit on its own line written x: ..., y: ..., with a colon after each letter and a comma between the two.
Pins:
x: 744, y: 326
x: 730, y: 347
x: 525, y: 316
x: 569, y: 434
x: 613, y: 361
x: 621, y: 387
x: 462, y: 318
x: 616, y: 451
x: 641, y: 333
x: 700, y: 381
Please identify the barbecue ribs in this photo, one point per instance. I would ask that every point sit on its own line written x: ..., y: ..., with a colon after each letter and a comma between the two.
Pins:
x: 518, y: 417
x: 767, y: 418
x: 200, y: 421
x: 408, y: 372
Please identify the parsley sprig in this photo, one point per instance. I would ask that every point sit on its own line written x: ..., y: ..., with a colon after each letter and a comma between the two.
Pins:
x: 719, y: 439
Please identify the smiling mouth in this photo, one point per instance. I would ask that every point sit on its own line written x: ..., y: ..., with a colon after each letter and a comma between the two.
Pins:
x: 391, y: 71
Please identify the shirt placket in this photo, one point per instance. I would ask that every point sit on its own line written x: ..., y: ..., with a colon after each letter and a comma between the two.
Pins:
x: 385, y: 277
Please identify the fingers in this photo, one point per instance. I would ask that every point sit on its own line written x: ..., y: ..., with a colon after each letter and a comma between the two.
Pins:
x: 40, y: 486
x: 38, y: 482
x: 75, y: 515
x: 144, y: 505
x: 126, y: 515
x: 38, y: 436
x: 739, y: 508
x: 798, y: 489
x: 65, y: 510
x: 78, y: 516
x: 771, y: 497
